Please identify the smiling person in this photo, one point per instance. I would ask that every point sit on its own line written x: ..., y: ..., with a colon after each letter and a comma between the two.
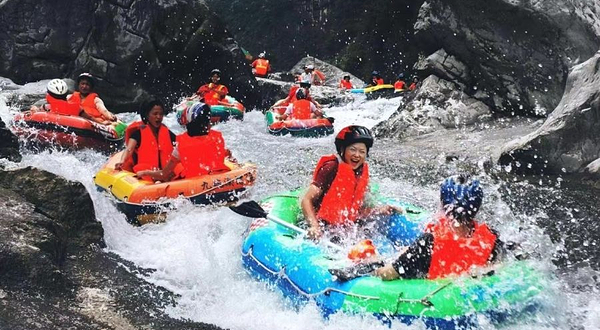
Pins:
x: 214, y: 91
x: 149, y: 141
x: 336, y: 197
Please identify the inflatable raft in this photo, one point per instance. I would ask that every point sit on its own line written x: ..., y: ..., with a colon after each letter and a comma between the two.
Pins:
x: 375, y: 92
x: 299, y: 268
x: 228, y: 109
x: 298, y: 127
x: 141, y: 200
x: 70, y: 132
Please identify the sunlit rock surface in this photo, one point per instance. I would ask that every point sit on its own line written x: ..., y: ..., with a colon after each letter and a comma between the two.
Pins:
x: 569, y: 139
x: 135, y: 48
x: 437, y: 104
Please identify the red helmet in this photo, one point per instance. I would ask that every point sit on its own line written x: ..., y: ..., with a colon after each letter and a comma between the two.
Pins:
x: 353, y: 134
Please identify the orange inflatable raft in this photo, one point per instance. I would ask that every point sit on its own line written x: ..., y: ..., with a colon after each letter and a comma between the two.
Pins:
x: 70, y: 132
x: 139, y: 198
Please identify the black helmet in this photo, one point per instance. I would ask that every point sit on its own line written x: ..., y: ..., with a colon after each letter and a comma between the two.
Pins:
x: 300, y: 94
x: 375, y: 73
x: 461, y: 197
x: 346, y: 76
x: 197, y: 119
x: 215, y: 72
x: 353, y: 134
x: 88, y: 76
x: 147, y: 106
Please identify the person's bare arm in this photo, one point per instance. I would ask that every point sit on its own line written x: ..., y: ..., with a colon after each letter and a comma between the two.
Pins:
x: 310, y: 214
x: 163, y: 175
x: 102, y: 108
x: 131, y: 144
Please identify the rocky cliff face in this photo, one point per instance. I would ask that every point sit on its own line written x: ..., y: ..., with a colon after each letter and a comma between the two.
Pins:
x: 514, y: 55
x: 134, y: 47
x: 569, y: 140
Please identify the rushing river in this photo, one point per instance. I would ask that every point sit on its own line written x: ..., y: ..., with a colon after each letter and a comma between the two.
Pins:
x: 196, y: 252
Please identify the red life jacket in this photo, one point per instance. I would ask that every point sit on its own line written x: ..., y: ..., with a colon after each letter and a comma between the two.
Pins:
x: 346, y: 84
x: 399, y: 85
x: 201, y: 155
x: 88, y: 104
x: 379, y: 81
x: 63, y: 107
x: 321, y: 76
x: 209, y: 92
x: 344, y: 199
x: 455, y: 255
x: 301, y: 109
x: 262, y: 66
x: 153, y: 153
x: 412, y: 86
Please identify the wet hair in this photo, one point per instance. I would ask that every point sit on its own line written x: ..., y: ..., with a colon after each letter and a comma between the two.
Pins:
x: 146, y: 107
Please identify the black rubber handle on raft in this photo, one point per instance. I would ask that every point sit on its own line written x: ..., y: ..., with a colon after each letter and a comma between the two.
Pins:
x: 352, y: 272
x: 249, y: 209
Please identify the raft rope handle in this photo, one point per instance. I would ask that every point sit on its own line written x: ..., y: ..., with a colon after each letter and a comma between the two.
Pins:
x: 425, y: 300
x: 281, y: 273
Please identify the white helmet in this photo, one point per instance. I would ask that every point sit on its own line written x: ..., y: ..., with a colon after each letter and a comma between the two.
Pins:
x: 261, y: 55
x: 310, y: 67
x: 57, y: 87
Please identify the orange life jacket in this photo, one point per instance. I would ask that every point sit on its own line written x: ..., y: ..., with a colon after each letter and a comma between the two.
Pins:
x: 379, y: 81
x: 455, y: 255
x: 344, y: 199
x: 321, y: 76
x: 63, y: 107
x: 262, y: 66
x: 88, y: 104
x: 153, y: 153
x: 301, y: 109
x: 345, y: 84
x: 399, y: 85
x: 211, y: 97
x: 202, y: 155
x: 412, y: 86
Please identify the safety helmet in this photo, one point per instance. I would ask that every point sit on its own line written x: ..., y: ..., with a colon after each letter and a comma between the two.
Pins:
x: 57, y: 88
x: 353, y: 134
x: 310, y: 67
x: 198, y: 111
x: 305, y: 83
x: 401, y: 75
x: 87, y: 76
x: 300, y: 94
x: 375, y: 73
x: 461, y: 197
x: 147, y: 106
x: 215, y: 72
x: 261, y: 55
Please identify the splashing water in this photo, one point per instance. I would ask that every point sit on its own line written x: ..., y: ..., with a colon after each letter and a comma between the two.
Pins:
x: 196, y: 253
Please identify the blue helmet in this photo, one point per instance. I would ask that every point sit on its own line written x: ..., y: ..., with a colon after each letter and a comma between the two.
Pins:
x: 461, y: 197
x: 197, y: 112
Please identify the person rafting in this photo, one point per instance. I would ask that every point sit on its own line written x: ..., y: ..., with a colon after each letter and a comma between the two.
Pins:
x: 291, y: 97
x: 92, y: 105
x: 414, y: 84
x: 453, y: 244
x: 375, y: 79
x: 345, y: 83
x: 56, y: 100
x: 213, y: 92
x: 336, y: 197
x: 149, y: 143
x: 400, y: 84
x: 301, y: 108
x: 261, y: 66
x: 200, y: 150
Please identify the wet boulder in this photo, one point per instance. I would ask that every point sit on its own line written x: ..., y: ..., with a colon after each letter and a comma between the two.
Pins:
x: 569, y: 140
x: 134, y: 48
x: 333, y: 74
x: 437, y: 104
x: 9, y: 144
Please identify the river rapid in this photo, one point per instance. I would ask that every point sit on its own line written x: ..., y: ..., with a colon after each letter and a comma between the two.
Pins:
x: 196, y: 252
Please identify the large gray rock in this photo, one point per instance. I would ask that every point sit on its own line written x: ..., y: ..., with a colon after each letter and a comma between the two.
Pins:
x: 54, y: 273
x: 333, y: 74
x: 134, y: 47
x: 517, y: 53
x: 436, y: 105
x: 570, y: 138
x: 9, y: 144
